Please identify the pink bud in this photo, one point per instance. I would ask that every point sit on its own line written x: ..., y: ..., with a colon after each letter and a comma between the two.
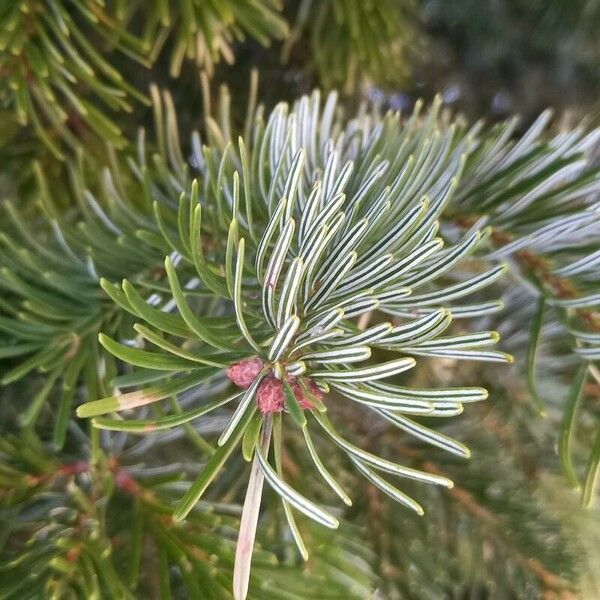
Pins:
x: 125, y: 482
x: 243, y: 373
x: 303, y: 401
x: 269, y: 396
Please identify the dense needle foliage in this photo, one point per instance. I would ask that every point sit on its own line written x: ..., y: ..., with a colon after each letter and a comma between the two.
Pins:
x: 344, y: 303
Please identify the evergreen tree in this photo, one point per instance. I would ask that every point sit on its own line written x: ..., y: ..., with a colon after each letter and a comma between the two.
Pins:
x: 390, y: 318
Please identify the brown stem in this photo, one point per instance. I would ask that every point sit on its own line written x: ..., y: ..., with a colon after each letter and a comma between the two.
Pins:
x: 541, y: 268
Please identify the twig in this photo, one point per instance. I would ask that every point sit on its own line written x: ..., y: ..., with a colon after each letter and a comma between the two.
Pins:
x: 249, y: 521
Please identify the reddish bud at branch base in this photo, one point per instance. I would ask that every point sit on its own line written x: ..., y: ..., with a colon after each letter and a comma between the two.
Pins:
x: 303, y: 401
x: 243, y: 373
x: 270, y: 397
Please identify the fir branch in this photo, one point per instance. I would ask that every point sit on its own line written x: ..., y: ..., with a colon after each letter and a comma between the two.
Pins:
x: 207, y: 32
x: 47, y: 61
x: 540, y: 200
x: 276, y: 256
x: 352, y: 40
x: 333, y: 248
x: 80, y: 528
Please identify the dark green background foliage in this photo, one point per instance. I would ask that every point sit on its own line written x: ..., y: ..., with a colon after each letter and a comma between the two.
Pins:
x: 134, y: 132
